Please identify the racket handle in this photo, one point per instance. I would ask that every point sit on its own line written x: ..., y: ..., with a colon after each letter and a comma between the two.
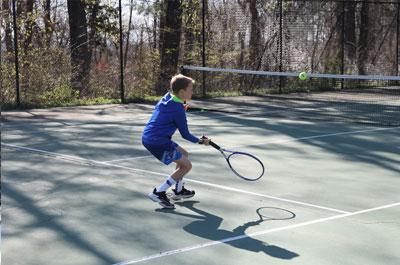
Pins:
x: 214, y: 145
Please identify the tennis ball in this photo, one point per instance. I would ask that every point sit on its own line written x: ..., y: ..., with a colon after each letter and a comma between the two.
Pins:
x: 202, y: 110
x: 302, y: 76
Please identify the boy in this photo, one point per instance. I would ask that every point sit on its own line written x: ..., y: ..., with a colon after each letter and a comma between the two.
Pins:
x: 169, y: 115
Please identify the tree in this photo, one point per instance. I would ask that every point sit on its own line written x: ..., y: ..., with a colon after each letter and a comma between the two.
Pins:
x: 5, y: 13
x: 93, y: 23
x: 101, y: 27
x: 128, y: 34
x: 255, y: 34
x: 28, y: 11
x: 170, y: 36
x: 80, y: 56
x: 47, y: 22
x: 190, y: 31
x: 350, y: 30
x: 362, y: 49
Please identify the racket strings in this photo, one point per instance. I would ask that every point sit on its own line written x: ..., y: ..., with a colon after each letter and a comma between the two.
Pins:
x: 246, y: 166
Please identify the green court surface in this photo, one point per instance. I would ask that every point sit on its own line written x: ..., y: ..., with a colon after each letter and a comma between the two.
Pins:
x: 75, y: 183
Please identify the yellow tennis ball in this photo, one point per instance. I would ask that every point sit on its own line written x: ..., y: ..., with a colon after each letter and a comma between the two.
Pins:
x: 302, y: 76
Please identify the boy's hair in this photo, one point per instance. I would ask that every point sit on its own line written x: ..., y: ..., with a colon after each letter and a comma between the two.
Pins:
x: 179, y: 82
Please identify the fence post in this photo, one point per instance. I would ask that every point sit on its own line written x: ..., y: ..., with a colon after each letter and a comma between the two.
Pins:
x: 204, y: 3
x: 280, y: 44
x: 343, y: 43
x: 121, y: 55
x: 16, y: 53
x: 397, y: 37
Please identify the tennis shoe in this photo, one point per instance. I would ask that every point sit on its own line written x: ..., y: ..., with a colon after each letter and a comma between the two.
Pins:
x: 161, y: 198
x: 183, y: 194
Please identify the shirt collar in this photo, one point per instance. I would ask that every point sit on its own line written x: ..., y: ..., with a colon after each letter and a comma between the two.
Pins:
x: 176, y: 99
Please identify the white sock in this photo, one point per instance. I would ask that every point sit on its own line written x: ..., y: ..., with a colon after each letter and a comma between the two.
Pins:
x: 167, y: 183
x: 179, y: 185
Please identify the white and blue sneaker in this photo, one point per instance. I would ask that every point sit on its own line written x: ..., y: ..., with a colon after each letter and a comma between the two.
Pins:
x: 161, y: 198
x: 183, y: 194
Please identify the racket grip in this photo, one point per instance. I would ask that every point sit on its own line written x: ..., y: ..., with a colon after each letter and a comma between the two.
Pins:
x: 214, y: 145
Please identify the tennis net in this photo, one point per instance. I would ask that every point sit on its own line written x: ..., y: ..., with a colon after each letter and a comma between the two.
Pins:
x: 327, y: 97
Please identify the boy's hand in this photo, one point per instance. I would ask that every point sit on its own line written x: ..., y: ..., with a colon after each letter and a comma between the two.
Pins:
x: 204, y: 140
x: 185, y: 107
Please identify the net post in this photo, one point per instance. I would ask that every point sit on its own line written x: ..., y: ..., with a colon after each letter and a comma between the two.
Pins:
x: 182, y: 70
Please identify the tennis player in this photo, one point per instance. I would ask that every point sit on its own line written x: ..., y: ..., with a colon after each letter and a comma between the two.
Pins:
x: 169, y: 115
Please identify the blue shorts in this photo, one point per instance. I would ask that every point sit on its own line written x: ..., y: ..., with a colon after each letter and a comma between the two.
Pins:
x: 165, y: 154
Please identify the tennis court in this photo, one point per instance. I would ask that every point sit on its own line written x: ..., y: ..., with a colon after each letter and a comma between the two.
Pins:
x: 75, y: 182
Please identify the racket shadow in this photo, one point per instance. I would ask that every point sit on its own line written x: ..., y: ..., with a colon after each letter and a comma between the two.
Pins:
x: 207, y: 226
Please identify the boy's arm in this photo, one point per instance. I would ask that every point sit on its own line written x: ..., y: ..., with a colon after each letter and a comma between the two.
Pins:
x: 181, y: 123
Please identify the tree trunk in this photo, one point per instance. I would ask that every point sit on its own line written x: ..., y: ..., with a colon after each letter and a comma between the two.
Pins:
x: 162, y: 7
x: 170, y: 45
x: 28, y: 14
x: 80, y: 56
x: 350, y: 31
x: 362, y: 49
x: 190, y: 12
x: 47, y: 22
x: 5, y: 8
x: 92, y: 26
x: 129, y: 33
x: 255, y: 35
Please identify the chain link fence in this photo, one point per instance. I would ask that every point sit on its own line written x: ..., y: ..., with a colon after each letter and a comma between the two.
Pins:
x: 336, y: 37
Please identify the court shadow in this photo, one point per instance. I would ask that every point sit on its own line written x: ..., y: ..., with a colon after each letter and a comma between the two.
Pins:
x: 207, y: 225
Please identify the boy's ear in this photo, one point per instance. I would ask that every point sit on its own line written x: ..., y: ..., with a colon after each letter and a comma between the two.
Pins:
x: 180, y: 93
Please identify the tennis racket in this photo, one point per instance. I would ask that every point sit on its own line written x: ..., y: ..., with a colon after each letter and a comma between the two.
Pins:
x: 244, y: 165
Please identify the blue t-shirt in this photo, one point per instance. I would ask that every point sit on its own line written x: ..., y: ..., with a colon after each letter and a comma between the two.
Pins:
x: 168, y: 116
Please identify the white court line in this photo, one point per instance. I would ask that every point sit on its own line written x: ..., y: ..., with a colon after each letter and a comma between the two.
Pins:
x: 237, y: 114
x: 129, y: 158
x: 226, y: 240
x: 186, y: 179
x: 79, y: 158
x: 320, y: 136
x: 265, y: 196
x: 276, y: 141
x: 67, y: 129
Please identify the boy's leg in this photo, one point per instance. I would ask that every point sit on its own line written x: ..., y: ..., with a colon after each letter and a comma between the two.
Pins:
x: 167, y: 155
x: 182, y: 168
x: 180, y: 192
x: 179, y: 183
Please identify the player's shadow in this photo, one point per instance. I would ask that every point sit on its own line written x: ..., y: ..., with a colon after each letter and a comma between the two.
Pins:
x: 207, y: 226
